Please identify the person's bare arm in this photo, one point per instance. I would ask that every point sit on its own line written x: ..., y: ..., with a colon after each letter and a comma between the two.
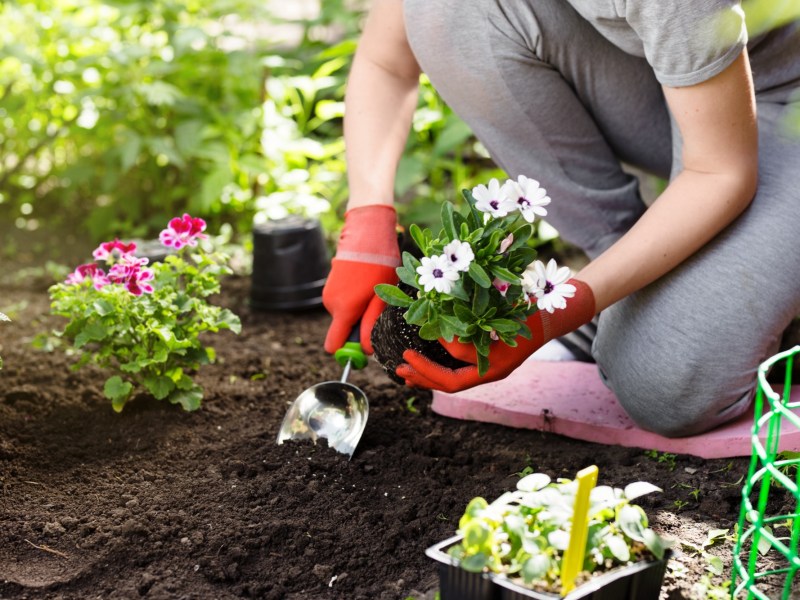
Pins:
x: 717, y: 120
x: 379, y: 105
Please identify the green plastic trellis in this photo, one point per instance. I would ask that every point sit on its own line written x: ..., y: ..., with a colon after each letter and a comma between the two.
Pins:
x: 768, y: 469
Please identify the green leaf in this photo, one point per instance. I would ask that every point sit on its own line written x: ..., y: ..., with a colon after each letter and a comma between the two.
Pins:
x: 714, y: 564
x: 480, y: 300
x: 618, y: 547
x: 118, y: 391
x: 521, y: 237
x: 430, y: 331
x: 417, y: 313
x: 458, y: 291
x: 478, y: 275
x: 535, y: 567
x: 504, y: 325
x: 410, y: 262
x: 640, y: 488
x: 93, y: 332
x: 446, y: 331
x: 418, y: 236
x: 632, y: 521
x: 475, y: 215
x: 483, y: 364
x: 463, y: 313
x: 103, y: 307
x: 448, y: 222
x: 228, y: 320
x: 190, y: 399
x: 159, y: 386
x: 475, y: 563
x: 407, y: 276
x: 655, y: 543
x: 504, y: 274
x: 453, y: 324
x: 393, y: 295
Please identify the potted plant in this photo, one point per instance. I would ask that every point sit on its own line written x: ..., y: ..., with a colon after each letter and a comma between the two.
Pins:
x: 515, y: 546
x: 478, y: 279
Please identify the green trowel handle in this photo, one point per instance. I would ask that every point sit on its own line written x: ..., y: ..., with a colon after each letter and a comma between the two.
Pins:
x: 352, y: 350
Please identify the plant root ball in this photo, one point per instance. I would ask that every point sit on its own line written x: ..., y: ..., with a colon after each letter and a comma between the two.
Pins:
x: 393, y: 335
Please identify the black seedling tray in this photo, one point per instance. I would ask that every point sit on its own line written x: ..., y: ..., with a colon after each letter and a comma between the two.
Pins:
x: 640, y: 581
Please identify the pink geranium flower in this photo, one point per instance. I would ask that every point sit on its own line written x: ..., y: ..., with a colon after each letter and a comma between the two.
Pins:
x: 88, y: 271
x: 137, y: 283
x: 130, y: 271
x: 183, y: 231
x: 116, y: 248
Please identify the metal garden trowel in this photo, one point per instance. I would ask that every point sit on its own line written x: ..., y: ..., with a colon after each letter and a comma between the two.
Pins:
x: 335, y: 410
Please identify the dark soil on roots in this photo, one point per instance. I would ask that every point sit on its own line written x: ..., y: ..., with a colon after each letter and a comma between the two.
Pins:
x: 392, y: 335
x: 158, y: 503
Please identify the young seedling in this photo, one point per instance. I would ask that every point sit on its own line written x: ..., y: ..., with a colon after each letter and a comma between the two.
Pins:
x: 662, y: 457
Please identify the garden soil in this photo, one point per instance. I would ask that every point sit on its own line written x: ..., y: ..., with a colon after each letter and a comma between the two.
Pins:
x: 158, y: 503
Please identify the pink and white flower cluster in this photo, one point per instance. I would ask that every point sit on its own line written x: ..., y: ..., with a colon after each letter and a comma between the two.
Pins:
x: 183, y: 231
x: 125, y: 268
x: 524, y: 195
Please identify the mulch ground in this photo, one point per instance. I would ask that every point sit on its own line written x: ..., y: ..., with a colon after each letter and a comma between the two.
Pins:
x: 157, y: 503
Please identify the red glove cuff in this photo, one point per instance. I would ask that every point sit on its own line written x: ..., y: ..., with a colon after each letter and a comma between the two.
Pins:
x: 369, y: 235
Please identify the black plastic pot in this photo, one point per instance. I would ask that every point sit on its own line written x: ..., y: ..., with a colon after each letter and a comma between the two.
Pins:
x: 640, y: 581
x: 290, y: 264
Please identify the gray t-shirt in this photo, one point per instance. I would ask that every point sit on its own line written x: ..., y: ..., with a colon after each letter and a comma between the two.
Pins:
x: 689, y: 41
x: 685, y: 42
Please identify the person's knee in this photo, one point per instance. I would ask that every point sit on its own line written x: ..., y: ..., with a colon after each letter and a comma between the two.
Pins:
x: 678, y: 395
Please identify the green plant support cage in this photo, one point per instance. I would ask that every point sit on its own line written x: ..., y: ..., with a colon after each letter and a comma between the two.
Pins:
x: 770, y: 560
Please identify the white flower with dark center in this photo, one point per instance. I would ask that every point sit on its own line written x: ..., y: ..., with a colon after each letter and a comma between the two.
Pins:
x: 459, y: 254
x: 528, y: 197
x: 436, y: 273
x: 548, y: 285
x: 493, y: 199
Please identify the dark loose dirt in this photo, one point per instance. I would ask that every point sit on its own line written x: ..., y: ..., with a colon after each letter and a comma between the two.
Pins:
x: 157, y: 503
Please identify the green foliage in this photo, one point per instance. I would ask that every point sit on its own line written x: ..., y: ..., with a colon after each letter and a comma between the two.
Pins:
x: 122, y: 113
x: 115, y: 115
x: 523, y: 534
x: 150, y: 343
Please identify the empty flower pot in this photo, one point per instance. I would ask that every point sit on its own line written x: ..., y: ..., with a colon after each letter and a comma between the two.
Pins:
x: 290, y: 264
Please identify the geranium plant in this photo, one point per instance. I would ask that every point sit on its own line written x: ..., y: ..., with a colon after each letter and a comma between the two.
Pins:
x: 479, y: 279
x: 523, y: 534
x: 142, y: 322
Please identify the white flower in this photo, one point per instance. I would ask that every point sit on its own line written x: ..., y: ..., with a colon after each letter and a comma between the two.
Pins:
x: 435, y: 272
x: 548, y: 285
x: 528, y: 196
x: 493, y: 199
x: 459, y: 254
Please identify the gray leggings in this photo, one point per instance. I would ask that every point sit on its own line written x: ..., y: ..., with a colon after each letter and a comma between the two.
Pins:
x: 552, y: 99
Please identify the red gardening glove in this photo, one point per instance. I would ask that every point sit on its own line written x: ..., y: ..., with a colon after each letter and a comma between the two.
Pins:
x: 503, y: 359
x: 367, y: 255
